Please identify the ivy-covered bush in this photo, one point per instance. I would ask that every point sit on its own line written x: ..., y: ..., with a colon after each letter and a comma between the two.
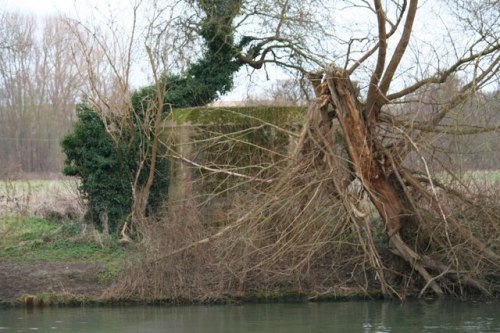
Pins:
x: 107, y: 171
x: 103, y: 168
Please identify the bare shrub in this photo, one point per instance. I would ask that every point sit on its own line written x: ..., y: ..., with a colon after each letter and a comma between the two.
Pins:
x: 49, y: 199
x: 299, y: 227
x: 231, y: 236
x: 163, y: 273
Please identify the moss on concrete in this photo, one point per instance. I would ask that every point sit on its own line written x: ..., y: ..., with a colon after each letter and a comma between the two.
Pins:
x: 284, y: 115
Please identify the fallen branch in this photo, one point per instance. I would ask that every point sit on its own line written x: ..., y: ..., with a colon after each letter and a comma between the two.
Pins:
x: 214, y: 170
x: 204, y: 240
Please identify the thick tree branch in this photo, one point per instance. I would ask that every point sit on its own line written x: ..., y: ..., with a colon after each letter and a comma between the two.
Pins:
x: 379, y: 68
x: 462, y: 95
x: 442, y: 76
x: 369, y: 53
x: 400, y: 48
x: 451, y: 130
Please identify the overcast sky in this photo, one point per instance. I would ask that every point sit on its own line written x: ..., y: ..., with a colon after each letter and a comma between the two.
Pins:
x: 40, y: 7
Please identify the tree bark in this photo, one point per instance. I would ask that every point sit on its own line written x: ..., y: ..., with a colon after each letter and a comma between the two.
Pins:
x: 370, y: 166
x: 361, y: 145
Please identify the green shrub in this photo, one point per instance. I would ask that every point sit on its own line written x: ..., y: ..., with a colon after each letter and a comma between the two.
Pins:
x: 107, y: 171
x: 104, y: 169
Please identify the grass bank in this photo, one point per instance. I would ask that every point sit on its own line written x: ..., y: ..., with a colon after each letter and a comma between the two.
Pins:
x: 37, y: 239
x: 56, y: 262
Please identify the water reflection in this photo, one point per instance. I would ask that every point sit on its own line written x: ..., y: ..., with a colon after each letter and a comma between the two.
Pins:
x: 372, y: 316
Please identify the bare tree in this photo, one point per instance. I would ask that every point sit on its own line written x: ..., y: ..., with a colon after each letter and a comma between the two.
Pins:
x: 360, y: 189
x: 39, y: 87
x: 396, y: 70
x: 384, y: 93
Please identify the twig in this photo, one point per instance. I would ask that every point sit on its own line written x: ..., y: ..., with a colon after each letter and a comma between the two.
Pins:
x: 432, y: 281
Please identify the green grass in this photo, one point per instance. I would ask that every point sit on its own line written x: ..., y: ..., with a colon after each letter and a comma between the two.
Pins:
x: 17, y: 231
x: 25, y: 239
x: 38, y: 240
x: 483, y: 175
x: 493, y: 175
x: 489, y: 176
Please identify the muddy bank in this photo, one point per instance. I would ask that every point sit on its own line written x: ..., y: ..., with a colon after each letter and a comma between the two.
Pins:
x: 56, y: 281
x: 80, y: 283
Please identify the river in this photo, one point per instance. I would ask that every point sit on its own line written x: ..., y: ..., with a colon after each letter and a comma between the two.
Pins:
x: 360, y: 316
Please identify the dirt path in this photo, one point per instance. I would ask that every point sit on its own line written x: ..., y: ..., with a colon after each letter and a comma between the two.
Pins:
x: 78, y: 279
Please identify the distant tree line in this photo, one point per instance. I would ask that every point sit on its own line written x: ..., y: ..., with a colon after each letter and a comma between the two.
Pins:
x: 39, y: 86
x: 41, y: 82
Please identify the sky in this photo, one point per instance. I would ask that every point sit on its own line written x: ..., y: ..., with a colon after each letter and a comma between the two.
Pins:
x: 39, y: 7
x: 249, y: 83
x: 73, y: 8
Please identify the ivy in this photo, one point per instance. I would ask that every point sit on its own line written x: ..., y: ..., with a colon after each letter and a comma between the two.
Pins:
x: 103, y: 168
x: 107, y: 169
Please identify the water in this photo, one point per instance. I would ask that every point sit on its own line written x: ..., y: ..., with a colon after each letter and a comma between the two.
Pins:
x: 371, y: 316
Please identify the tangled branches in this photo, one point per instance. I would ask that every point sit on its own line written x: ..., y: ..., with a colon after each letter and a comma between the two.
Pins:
x: 318, y: 224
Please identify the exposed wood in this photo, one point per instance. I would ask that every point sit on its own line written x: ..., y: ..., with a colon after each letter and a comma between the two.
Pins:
x: 360, y: 145
x: 372, y: 173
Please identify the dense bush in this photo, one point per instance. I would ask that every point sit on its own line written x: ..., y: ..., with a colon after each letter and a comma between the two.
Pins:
x: 107, y: 171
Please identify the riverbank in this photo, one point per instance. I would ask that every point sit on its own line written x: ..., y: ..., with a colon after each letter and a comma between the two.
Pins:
x: 40, y: 284
x: 48, y: 256
x: 65, y: 262
x: 49, y: 262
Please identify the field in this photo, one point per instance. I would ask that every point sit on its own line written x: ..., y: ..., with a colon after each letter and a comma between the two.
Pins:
x: 47, y: 250
x: 43, y: 198
x: 483, y: 176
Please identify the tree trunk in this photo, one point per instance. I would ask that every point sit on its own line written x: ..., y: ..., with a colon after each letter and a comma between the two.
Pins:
x: 369, y: 164
x: 362, y: 148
